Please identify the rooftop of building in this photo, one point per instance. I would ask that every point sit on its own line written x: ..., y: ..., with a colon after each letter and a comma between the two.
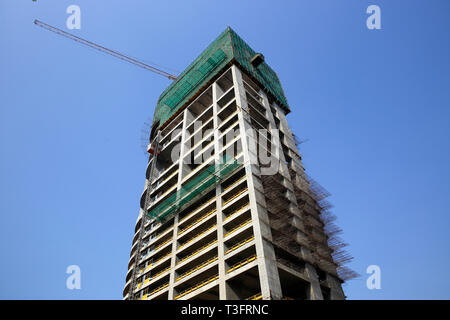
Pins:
x: 227, y: 49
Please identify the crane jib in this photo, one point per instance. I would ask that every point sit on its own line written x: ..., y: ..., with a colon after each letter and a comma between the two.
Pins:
x: 105, y: 50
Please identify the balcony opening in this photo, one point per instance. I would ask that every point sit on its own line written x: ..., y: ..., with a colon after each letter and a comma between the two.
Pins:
x: 238, y: 242
x: 293, y: 287
x: 240, y: 208
x: 196, y: 232
x: 196, y: 122
x: 226, y: 99
x: 171, y: 125
x: 203, y: 205
x: 226, y: 111
x: 240, y: 259
x: 233, y: 179
x: 233, y: 150
x: 155, y: 287
x: 234, y: 192
x: 224, y: 83
x: 195, y: 283
x: 226, y: 125
x: 237, y: 223
x: 211, y: 294
x: 244, y: 286
x: 199, y: 262
x: 207, y: 244
x: 202, y: 103
x: 159, y: 258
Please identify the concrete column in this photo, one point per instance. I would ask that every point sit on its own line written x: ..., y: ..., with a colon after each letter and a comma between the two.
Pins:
x: 336, y: 289
x: 267, y: 268
x: 175, y: 222
x: 315, y: 293
x: 216, y: 92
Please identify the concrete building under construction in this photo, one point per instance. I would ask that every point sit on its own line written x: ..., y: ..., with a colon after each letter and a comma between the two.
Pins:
x: 216, y: 220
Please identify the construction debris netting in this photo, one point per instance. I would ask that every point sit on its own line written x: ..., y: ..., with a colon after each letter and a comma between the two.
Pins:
x: 227, y: 47
x: 201, y: 184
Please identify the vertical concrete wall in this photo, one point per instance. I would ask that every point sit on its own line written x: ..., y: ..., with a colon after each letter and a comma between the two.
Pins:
x: 268, y: 271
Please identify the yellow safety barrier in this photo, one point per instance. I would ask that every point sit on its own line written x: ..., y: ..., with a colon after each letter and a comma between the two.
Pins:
x: 192, y: 239
x: 238, y: 227
x: 236, y: 212
x: 235, y: 196
x: 197, y: 251
x: 158, y: 289
x: 190, y: 215
x: 197, y: 221
x: 153, y: 277
x: 240, y: 244
x: 160, y: 245
x: 234, y: 183
x: 160, y: 273
x: 242, y: 263
x: 156, y: 261
x: 257, y: 296
x: 197, y: 286
x: 144, y: 297
x: 196, y: 268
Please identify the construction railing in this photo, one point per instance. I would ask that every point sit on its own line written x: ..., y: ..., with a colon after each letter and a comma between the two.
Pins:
x: 153, y: 277
x: 257, y: 296
x: 199, y: 208
x: 238, y: 227
x: 240, y: 244
x: 153, y: 263
x: 158, y: 289
x: 197, y: 251
x: 196, y: 221
x: 197, y: 286
x: 242, y: 263
x: 196, y: 268
x: 235, y: 196
x: 245, y: 206
x: 196, y: 236
x: 158, y: 260
x: 162, y: 244
x: 234, y: 183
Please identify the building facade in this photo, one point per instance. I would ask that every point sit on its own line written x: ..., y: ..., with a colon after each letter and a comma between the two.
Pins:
x: 227, y: 211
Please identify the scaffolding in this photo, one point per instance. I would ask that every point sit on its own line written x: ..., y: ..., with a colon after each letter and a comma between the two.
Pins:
x: 305, y: 222
x: 309, y: 226
x: 141, y: 232
x: 339, y: 256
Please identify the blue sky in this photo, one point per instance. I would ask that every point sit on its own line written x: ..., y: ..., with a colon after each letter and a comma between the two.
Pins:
x: 374, y: 105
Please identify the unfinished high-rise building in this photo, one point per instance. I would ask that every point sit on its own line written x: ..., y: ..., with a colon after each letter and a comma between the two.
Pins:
x: 217, y: 219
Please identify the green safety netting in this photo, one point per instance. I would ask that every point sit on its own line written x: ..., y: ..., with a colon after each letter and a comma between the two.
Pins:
x: 199, y: 185
x: 220, y: 52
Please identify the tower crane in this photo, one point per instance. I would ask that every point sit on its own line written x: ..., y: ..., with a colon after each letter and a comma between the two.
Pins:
x: 105, y: 50
x: 153, y: 148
